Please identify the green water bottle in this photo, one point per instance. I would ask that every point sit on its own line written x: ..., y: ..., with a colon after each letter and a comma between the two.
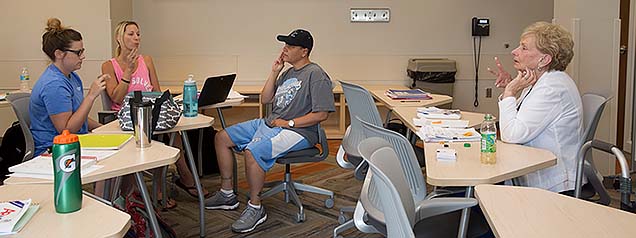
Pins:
x: 66, y: 170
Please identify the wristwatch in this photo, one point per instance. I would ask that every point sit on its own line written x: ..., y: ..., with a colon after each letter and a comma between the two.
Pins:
x: 291, y: 123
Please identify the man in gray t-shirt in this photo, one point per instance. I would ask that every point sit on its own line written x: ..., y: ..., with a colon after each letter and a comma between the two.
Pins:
x: 301, y: 98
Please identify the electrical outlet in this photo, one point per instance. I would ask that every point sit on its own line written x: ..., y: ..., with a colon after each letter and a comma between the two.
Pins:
x: 488, y: 92
x: 370, y: 15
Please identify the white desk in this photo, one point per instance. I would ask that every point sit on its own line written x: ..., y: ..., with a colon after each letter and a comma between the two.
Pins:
x: 129, y: 159
x: 184, y: 124
x: 406, y: 115
x: 531, y: 212
x: 379, y: 94
x: 512, y: 161
x: 95, y: 219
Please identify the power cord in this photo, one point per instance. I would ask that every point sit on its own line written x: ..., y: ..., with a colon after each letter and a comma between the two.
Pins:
x: 476, y: 58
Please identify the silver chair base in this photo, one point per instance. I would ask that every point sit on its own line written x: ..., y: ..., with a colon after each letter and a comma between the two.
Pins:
x: 290, y: 188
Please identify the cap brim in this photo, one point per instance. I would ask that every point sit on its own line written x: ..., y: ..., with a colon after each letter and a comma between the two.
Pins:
x: 282, y: 38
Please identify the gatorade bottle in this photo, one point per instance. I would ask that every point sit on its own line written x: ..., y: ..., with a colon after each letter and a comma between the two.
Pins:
x: 488, y: 140
x: 66, y: 170
x: 190, y: 99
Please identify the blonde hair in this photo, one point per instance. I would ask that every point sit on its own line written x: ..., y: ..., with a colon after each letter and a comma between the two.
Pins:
x: 119, y: 33
x: 57, y: 37
x: 553, y: 40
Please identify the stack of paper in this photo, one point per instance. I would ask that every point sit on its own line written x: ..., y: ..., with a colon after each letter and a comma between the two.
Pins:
x: 235, y: 95
x: 436, y: 113
x: 436, y: 134
x: 415, y: 94
x: 440, y: 123
x: 15, y: 214
x: 42, y: 166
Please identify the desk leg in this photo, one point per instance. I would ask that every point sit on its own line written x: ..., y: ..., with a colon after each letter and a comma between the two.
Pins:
x: 388, y: 117
x: 149, y: 208
x: 463, y: 223
x: 235, y: 165
x: 200, y: 152
x: 197, y: 182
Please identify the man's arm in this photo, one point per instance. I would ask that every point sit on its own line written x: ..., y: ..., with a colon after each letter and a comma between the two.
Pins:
x: 307, y: 120
x: 267, y: 93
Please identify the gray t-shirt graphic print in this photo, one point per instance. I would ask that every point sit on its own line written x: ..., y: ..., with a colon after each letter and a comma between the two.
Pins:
x: 300, y: 92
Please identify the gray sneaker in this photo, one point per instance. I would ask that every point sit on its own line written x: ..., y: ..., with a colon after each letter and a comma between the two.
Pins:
x: 250, y: 218
x: 221, y: 201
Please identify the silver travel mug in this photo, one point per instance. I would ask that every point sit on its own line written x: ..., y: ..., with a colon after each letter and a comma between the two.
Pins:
x: 141, y: 114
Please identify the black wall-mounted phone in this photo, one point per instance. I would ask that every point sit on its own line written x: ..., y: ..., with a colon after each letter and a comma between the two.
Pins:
x: 481, y: 26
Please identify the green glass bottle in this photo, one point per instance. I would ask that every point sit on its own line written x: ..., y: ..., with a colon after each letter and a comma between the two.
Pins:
x: 66, y: 170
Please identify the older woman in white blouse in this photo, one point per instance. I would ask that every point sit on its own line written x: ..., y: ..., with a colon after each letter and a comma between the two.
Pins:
x: 541, y: 107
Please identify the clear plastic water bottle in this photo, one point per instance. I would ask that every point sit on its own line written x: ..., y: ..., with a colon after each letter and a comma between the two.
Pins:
x: 488, y: 140
x: 24, y: 80
x: 190, y: 99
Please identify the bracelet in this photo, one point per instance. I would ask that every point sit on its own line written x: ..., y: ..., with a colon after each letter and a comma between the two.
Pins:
x: 125, y: 81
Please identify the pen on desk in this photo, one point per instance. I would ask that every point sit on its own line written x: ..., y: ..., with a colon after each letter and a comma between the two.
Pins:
x: 410, y: 101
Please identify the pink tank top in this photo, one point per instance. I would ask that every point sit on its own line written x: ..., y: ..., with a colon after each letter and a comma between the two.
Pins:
x: 139, y: 80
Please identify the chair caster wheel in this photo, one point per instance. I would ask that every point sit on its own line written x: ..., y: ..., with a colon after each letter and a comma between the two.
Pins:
x: 300, y: 217
x: 329, y: 203
x: 342, y: 219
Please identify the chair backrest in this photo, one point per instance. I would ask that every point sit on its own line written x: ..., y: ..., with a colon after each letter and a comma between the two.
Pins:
x: 359, y: 103
x: 406, y: 155
x: 593, y: 106
x: 387, y: 178
x: 106, y: 102
x: 20, y: 103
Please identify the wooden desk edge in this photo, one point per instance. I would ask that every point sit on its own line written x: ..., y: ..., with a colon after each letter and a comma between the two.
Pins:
x: 462, y: 182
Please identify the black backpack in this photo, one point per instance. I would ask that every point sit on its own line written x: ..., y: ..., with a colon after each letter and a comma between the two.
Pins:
x: 12, y: 148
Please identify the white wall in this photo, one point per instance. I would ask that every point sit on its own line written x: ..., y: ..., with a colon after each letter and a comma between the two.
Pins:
x: 596, y: 31
x: 218, y: 36
x: 23, y: 22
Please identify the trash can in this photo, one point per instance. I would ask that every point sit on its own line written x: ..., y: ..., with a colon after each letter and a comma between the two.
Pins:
x: 433, y: 75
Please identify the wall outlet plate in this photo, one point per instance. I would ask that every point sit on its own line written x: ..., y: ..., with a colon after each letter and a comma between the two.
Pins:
x: 370, y: 15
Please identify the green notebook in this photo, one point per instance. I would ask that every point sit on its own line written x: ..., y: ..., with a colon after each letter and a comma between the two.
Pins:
x: 103, y: 141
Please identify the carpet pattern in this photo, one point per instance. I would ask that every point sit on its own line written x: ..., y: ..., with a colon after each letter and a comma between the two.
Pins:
x: 320, y: 221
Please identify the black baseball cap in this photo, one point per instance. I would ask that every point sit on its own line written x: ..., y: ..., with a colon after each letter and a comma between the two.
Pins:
x: 298, y: 37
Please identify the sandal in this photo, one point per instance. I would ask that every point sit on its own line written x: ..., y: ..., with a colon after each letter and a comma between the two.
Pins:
x: 190, y: 189
x: 169, y: 205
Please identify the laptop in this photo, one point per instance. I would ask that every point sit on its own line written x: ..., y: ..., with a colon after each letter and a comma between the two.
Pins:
x: 216, y: 89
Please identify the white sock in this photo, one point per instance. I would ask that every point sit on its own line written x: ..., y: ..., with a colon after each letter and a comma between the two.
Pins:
x: 227, y: 192
x: 254, y: 206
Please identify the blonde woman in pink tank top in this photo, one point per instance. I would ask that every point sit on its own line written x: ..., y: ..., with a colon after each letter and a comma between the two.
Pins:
x: 130, y: 71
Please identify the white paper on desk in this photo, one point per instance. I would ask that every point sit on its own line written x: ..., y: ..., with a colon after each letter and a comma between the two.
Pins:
x: 43, y: 165
x: 440, y: 123
x: 99, y: 154
x: 234, y: 95
x: 85, y: 171
x: 437, y: 113
x: 436, y: 134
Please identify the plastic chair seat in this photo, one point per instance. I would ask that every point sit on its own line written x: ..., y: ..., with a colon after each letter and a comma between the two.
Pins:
x: 301, y: 156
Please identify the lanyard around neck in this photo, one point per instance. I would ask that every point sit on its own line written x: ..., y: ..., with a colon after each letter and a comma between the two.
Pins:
x: 524, y: 97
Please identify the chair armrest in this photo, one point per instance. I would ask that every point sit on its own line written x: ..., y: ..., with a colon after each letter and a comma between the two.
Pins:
x: 105, y: 117
x: 438, y: 206
x: 341, y: 161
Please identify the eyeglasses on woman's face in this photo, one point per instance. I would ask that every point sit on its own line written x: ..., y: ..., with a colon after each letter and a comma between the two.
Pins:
x: 79, y: 52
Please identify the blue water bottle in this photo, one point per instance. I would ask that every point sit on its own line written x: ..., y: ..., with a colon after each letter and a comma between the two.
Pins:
x: 190, y: 99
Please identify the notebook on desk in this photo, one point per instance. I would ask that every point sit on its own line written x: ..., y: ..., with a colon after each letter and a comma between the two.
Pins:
x: 215, y: 89
x: 103, y: 141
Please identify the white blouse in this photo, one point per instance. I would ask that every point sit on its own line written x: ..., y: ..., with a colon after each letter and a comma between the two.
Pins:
x: 549, y: 116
